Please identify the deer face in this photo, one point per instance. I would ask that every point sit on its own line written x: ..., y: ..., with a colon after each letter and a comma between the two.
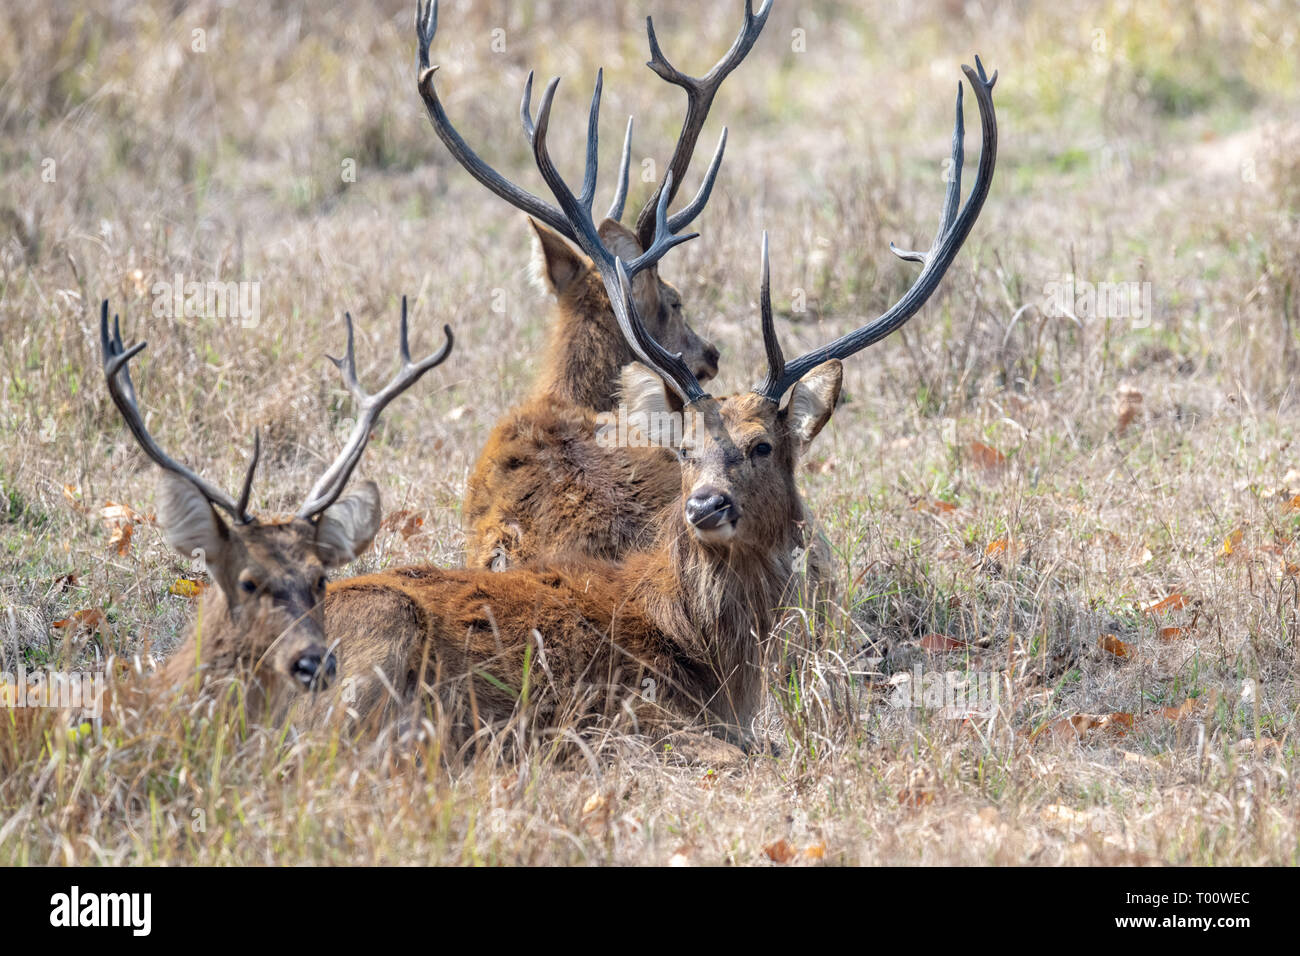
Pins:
x: 571, y: 276
x: 272, y: 575
x: 738, y: 455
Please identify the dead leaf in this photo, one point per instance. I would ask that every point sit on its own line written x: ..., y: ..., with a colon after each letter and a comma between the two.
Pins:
x: 1187, y: 708
x: 1113, y: 645
x: 779, y: 852
x: 996, y: 547
x: 915, y: 796
x: 88, y: 619
x: 73, y: 495
x: 1232, y: 543
x: 1127, y: 406
x: 405, y: 523
x: 1173, y: 633
x: 120, y: 539
x: 940, y: 643
x: 986, y: 456
x: 816, y: 851
x: 187, y: 587
x: 1077, y: 726
x: 1175, y: 602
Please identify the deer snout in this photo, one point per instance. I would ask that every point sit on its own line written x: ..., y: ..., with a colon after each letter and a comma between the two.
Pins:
x: 712, y: 514
x: 709, y: 364
x: 315, y: 669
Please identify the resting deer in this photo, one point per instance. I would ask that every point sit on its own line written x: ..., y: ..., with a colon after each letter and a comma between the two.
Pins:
x: 579, y: 638
x: 541, y: 486
x: 263, y: 621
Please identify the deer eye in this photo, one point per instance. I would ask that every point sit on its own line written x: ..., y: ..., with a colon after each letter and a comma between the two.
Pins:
x: 320, y: 583
x: 248, y: 586
x: 762, y: 450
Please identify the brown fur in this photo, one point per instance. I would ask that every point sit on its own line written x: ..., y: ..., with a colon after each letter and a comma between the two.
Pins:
x: 541, y: 486
x: 690, y: 614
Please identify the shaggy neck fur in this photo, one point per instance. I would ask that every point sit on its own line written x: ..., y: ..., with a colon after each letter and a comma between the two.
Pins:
x: 585, y: 353
x: 717, y: 605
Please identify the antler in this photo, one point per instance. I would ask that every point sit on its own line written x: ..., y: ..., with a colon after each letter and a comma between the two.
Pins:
x: 953, y: 230
x: 700, y: 92
x: 613, y: 271
x: 426, y: 25
x: 330, y: 485
x: 118, y: 374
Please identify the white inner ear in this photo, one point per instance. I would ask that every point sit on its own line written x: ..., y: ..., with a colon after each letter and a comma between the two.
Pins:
x: 644, y: 396
x: 813, y: 399
x: 347, y: 527
x: 188, y: 522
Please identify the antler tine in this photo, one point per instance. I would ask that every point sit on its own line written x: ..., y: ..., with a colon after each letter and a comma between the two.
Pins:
x: 669, y: 365
x: 330, y: 485
x: 620, y: 197
x: 577, y: 210
x: 426, y: 26
x: 122, y: 391
x: 775, y: 358
x: 700, y: 92
x: 954, y: 227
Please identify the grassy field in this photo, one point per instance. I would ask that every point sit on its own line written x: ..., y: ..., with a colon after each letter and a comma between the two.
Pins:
x: 1096, y: 508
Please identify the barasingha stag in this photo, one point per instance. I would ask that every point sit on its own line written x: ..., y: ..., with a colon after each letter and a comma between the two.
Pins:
x: 263, y: 622
x: 542, y: 487
x: 674, y: 634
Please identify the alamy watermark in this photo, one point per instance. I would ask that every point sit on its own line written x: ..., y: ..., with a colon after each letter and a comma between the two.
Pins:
x: 209, y: 299
x: 955, y: 695
x: 1080, y: 299
x: 620, y: 428
x: 77, y: 691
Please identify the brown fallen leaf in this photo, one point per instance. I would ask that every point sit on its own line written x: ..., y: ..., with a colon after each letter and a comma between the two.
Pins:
x: 1232, y: 543
x: 1175, y: 602
x: 779, y: 852
x: 88, y: 619
x: 986, y: 456
x: 1127, y: 406
x: 120, y: 539
x: 1077, y: 726
x: 73, y: 495
x: 1113, y: 645
x: 405, y: 523
x: 816, y: 851
x: 940, y: 643
x: 1186, y: 709
x: 915, y: 796
x: 1173, y: 633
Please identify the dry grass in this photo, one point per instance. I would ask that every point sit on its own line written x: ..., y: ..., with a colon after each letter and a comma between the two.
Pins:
x: 1141, y: 141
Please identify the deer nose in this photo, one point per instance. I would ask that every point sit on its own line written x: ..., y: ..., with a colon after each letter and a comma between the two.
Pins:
x: 314, y: 670
x: 710, y: 508
x: 710, y: 367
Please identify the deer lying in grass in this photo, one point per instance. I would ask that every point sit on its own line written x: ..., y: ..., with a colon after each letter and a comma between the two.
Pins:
x: 541, y: 487
x: 264, y: 620
x: 578, y: 639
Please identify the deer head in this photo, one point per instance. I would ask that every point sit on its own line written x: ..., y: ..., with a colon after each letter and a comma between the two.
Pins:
x: 270, y: 573
x: 738, y: 454
x: 573, y: 276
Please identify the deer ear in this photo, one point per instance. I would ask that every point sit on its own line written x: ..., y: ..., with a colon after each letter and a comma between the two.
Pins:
x: 189, y: 522
x: 346, y: 528
x: 813, y: 399
x: 555, y: 264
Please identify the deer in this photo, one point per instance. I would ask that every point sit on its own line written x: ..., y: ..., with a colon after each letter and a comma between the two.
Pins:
x: 672, y: 635
x: 541, y: 485
x: 263, y: 621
